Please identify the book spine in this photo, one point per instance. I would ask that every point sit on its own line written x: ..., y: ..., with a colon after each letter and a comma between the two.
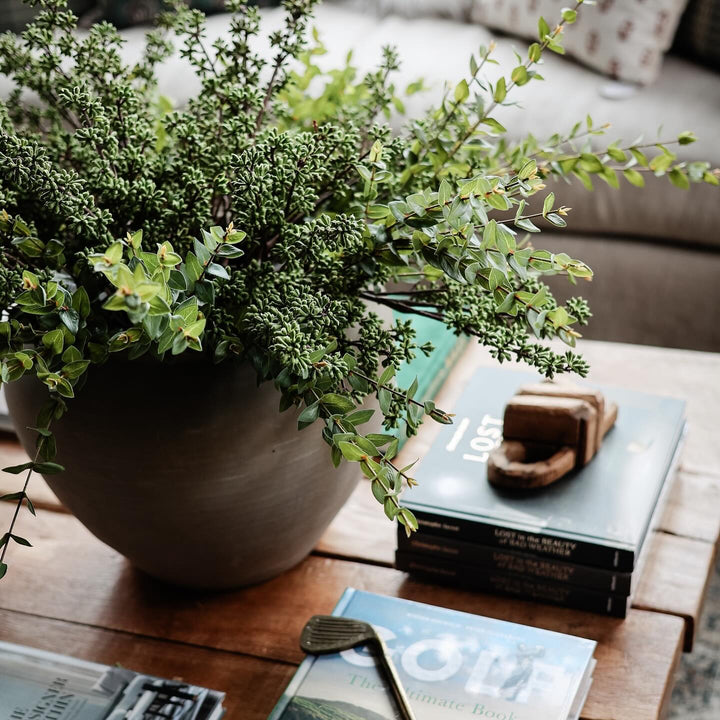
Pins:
x: 579, y: 552
x: 495, y: 560
x: 546, y: 591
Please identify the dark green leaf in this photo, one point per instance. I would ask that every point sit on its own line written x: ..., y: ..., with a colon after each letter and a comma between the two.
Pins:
x: 49, y: 468
x: 17, y: 469
x: 337, y: 404
x: 21, y: 540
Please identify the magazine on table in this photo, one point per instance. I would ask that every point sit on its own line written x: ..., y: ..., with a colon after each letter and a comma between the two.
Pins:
x: 39, y: 685
x: 451, y: 664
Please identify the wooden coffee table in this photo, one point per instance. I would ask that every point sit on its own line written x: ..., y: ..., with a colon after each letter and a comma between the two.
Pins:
x: 72, y: 594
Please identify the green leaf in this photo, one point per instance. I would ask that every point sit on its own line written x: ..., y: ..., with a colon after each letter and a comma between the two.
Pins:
x: 49, y: 468
x: 17, y: 469
x: 360, y: 417
x: 351, y: 452
x: 527, y: 225
x: 113, y: 254
x: 387, y: 375
x: 462, y: 91
x: 500, y: 91
x: 639, y: 156
x: 187, y: 310
x: 495, y: 278
x: 569, y: 16
x: 534, y: 52
x: 634, y: 177
x: 335, y: 456
x: 548, y: 204
x: 71, y: 319
x: 217, y: 270
x: 309, y: 414
x: 406, y: 518
x: 686, y: 137
x: 543, y: 29
x: 527, y: 170
x: 660, y: 163
x: 3, y: 570
x: 616, y: 154
x: 378, y: 490
x: 495, y: 125
x: 75, y: 369
x: 679, y: 179
x: 519, y: 75
x: 556, y: 220
x: 590, y: 163
x: 337, y: 404
x: 193, y: 268
x: 380, y: 439
x: 205, y: 292
x: 21, y: 540
x: 54, y: 340
x: 445, y: 192
x: 81, y: 302
x: 385, y: 400
x: 366, y: 445
x: 195, y: 329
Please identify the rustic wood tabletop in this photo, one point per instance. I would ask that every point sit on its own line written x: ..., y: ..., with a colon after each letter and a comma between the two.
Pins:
x: 72, y: 594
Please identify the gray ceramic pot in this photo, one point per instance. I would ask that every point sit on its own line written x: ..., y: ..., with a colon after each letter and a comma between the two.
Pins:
x: 189, y: 470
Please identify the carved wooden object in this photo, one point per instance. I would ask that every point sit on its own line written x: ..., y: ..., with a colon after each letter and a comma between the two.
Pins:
x: 549, y: 429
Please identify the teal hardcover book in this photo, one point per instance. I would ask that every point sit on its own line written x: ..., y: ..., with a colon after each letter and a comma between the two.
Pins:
x: 597, y: 515
x: 430, y: 370
x: 451, y: 664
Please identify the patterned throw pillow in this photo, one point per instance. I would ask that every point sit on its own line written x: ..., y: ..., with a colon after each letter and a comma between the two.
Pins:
x: 625, y: 39
x: 699, y: 32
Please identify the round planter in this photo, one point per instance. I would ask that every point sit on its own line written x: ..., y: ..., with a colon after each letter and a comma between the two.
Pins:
x: 189, y: 470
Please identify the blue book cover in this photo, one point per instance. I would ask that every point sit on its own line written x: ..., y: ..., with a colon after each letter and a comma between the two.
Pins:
x: 597, y: 515
x: 430, y: 370
x: 451, y: 664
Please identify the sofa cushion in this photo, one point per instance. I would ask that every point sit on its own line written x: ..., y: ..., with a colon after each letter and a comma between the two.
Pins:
x: 623, y: 38
x: 699, y: 33
x: 644, y: 292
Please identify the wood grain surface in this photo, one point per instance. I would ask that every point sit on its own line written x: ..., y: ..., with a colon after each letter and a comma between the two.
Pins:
x: 252, y: 684
x: 72, y: 577
x: 73, y: 594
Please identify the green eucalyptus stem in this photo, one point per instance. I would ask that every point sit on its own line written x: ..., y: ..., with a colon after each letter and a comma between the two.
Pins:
x: 486, y: 114
x: 8, y: 536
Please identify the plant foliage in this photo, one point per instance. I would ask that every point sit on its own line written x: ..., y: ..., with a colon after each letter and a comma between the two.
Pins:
x: 265, y: 220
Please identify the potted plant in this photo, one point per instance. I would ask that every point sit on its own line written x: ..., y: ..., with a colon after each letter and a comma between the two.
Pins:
x: 160, y: 263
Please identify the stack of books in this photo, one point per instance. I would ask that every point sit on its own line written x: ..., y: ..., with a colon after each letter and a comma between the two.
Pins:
x: 451, y: 665
x: 578, y: 543
x: 43, y: 685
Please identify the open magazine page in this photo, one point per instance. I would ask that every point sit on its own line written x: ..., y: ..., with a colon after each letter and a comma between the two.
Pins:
x: 37, y: 685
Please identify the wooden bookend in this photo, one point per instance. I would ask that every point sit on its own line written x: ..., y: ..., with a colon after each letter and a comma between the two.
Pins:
x: 549, y: 428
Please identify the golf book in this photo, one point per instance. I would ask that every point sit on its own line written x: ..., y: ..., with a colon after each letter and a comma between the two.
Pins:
x: 598, y: 515
x: 451, y: 664
x: 38, y: 685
